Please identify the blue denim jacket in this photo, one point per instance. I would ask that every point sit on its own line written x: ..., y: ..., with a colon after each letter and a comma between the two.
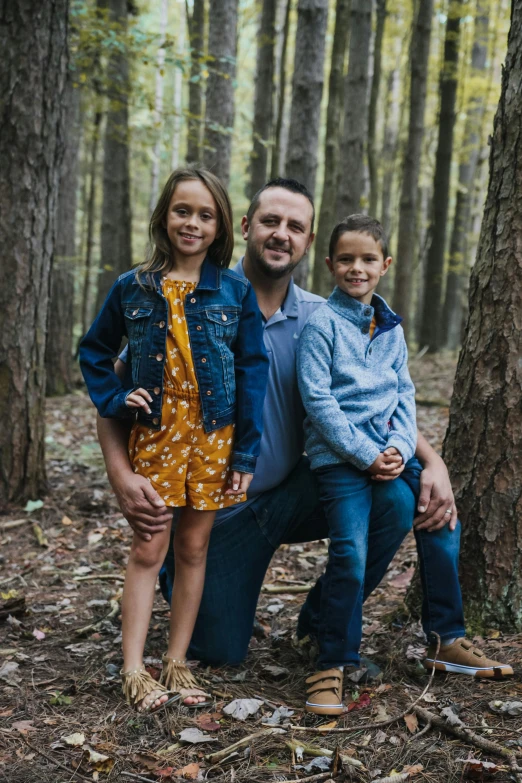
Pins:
x: 226, y: 338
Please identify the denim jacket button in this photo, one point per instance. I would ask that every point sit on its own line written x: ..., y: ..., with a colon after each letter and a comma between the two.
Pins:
x: 155, y: 421
x: 213, y: 422
x: 199, y: 328
x: 193, y: 301
x: 157, y: 390
x: 161, y: 324
x: 135, y: 312
x: 159, y: 357
x: 209, y: 393
x: 223, y: 317
x: 203, y: 360
x: 367, y: 311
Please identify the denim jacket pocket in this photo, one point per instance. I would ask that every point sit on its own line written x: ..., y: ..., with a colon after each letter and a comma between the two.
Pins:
x: 223, y: 324
x: 137, y: 320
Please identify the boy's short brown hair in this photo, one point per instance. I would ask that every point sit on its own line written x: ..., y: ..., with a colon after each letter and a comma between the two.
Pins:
x: 363, y: 224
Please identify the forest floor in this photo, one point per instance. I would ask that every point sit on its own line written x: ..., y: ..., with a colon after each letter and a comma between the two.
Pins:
x: 62, y: 717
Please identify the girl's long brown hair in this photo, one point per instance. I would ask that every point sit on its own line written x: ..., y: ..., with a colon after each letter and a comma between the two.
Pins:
x: 159, y: 257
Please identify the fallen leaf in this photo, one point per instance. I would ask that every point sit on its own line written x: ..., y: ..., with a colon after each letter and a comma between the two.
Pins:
x: 6, y: 713
x: 451, y: 717
x: 326, y: 726
x: 23, y: 726
x: 82, y: 570
x: 38, y: 634
x: 210, y: 726
x: 33, y: 505
x: 100, y: 762
x: 363, y: 701
x: 94, y: 538
x: 380, y: 714
x: 429, y: 698
x: 512, y: 708
x: 40, y: 536
x: 75, y: 739
x: 413, y: 770
x: 321, y: 764
x: 280, y: 714
x: 193, y: 736
x: 241, y: 709
x: 411, y: 722
x: 190, y: 772
x: 477, y: 769
x: 167, y: 772
x: 66, y: 521
x: 276, y: 671
x: 9, y: 673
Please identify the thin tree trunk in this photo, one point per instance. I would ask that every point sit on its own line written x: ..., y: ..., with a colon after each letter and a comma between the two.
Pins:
x: 406, y: 246
x: 33, y: 41
x: 355, y: 131
x: 322, y: 280
x: 483, y: 446
x: 374, y: 104
x: 58, y: 354
x: 219, y: 116
x: 178, y: 97
x: 158, y: 106
x: 432, y: 308
x: 91, y: 207
x: 116, y: 251
x: 459, y: 260
x: 196, y: 26
x: 276, y: 152
x: 263, y: 98
x: 307, y: 91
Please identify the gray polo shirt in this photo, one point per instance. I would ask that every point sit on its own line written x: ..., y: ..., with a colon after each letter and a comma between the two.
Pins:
x: 282, y: 442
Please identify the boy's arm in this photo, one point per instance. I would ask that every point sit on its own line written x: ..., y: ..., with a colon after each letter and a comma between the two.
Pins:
x: 314, y: 375
x: 403, y: 432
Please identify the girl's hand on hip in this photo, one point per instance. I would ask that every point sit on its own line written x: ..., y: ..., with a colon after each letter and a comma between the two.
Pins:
x: 239, y: 483
x: 139, y: 399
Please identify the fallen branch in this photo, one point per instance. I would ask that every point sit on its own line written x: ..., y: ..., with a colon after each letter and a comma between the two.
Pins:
x: 515, y: 769
x: 117, y: 577
x: 57, y: 763
x: 271, y: 588
x: 315, y: 778
x: 395, y: 778
x: 463, y: 733
x: 97, y: 625
x: 14, y: 523
x: 219, y: 755
x: 315, y: 751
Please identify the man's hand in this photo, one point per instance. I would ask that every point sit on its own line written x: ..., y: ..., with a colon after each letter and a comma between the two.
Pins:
x: 239, y: 483
x: 391, y: 465
x: 436, y: 504
x: 141, y: 505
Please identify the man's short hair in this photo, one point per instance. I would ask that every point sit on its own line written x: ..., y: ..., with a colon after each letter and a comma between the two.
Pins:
x: 288, y: 184
x: 363, y: 224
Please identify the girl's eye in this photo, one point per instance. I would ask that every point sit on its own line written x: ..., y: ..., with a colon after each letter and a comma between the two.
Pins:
x: 181, y: 211
x: 207, y: 216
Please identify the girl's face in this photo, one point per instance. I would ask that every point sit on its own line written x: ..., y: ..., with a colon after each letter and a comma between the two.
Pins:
x: 192, y: 219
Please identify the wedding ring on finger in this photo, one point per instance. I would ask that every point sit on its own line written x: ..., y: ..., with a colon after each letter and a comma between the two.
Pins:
x: 449, y: 511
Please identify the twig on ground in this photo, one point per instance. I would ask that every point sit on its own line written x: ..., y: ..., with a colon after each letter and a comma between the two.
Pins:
x: 137, y: 777
x: 14, y: 523
x: 219, y: 755
x: 271, y: 588
x: 366, y: 726
x: 56, y: 763
x: 463, y: 733
x: 515, y: 769
x: 315, y: 778
x: 315, y: 751
x: 116, y: 577
x: 97, y: 625
x: 395, y: 778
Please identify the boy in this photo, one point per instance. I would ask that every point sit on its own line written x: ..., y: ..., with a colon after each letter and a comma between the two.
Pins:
x: 360, y: 404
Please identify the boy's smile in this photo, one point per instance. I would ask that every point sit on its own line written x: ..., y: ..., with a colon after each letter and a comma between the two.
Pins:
x: 358, y: 265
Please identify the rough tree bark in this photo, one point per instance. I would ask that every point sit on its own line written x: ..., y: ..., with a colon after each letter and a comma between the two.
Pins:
x: 459, y: 258
x: 158, y: 107
x: 374, y: 106
x: 196, y: 26
x: 432, y: 305
x: 483, y: 446
x: 263, y: 98
x: 355, y: 131
x: 177, y: 98
x: 219, y: 115
x: 115, y: 240
x: 33, y: 41
x: 58, y: 353
x: 407, y: 238
x: 281, y: 93
x: 307, y: 91
x: 322, y: 280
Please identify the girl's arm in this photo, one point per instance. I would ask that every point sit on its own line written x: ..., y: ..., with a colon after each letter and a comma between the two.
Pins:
x: 251, y: 370
x: 403, y: 432
x: 97, y: 351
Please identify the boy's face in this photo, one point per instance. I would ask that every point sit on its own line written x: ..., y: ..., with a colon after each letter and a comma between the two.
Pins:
x: 358, y: 265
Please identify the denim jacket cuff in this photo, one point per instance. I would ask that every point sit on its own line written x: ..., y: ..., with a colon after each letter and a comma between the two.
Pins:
x: 118, y: 409
x: 243, y: 463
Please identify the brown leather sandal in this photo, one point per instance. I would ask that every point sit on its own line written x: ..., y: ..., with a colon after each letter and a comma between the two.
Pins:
x: 325, y: 693
x: 176, y: 676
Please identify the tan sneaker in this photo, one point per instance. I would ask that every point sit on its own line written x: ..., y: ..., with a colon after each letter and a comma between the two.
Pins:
x: 462, y: 657
x: 325, y: 693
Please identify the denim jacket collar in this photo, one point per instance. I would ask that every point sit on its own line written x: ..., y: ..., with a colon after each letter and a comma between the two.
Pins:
x: 209, y: 279
x: 361, y: 314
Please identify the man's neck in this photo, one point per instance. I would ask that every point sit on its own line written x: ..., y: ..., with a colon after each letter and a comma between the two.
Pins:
x: 270, y: 292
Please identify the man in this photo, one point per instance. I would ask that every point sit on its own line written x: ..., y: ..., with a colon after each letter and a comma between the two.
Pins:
x: 283, y: 504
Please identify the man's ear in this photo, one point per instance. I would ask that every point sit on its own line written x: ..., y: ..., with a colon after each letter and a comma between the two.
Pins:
x: 244, y: 227
x: 310, y: 240
x: 386, y: 265
x: 329, y: 264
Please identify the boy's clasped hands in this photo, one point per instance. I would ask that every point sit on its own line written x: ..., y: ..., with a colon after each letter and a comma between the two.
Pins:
x: 388, y: 465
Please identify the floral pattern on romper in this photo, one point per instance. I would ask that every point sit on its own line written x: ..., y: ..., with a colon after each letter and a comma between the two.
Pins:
x: 184, y: 464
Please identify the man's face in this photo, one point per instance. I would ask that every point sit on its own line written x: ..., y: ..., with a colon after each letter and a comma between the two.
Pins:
x: 280, y: 232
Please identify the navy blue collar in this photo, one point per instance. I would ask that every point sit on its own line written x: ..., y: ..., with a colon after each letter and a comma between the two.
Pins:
x: 358, y: 313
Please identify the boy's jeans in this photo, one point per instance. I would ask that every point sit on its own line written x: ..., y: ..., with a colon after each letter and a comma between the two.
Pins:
x: 240, y: 551
x: 347, y: 498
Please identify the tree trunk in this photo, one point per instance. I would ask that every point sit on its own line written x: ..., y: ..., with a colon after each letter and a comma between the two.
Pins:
x: 196, y: 26
x: 407, y: 239
x: 322, y: 281
x: 178, y: 97
x: 116, y: 252
x: 307, y: 91
x: 263, y: 98
x: 281, y: 94
x: 33, y: 40
x: 483, y: 446
x: 158, y: 107
x: 219, y: 116
x: 355, y: 131
x: 91, y: 205
x: 59, y: 348
x: 374, y: 105
x: 432, y: 306
x: 459, y: 260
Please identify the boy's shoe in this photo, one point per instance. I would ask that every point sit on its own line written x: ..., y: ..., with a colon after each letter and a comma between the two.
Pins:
x: 325, y: 693
x: 462, y: 657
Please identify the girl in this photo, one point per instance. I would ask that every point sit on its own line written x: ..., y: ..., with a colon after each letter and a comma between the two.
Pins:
x: 194, y: 383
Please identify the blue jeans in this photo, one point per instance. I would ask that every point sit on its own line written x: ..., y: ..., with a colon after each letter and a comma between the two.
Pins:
x: 240, y: 551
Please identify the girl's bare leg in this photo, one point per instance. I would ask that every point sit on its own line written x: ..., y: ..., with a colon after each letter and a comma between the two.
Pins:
x: 190, y: 556
x: 145, y: 561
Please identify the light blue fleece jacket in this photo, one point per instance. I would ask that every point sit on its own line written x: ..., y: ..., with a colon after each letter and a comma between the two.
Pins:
x: 357, y: 391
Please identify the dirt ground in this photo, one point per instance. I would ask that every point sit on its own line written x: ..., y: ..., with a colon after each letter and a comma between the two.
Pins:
x: 62, y: 717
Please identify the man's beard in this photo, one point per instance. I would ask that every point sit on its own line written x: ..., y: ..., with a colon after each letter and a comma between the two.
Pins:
x: 273, y: 272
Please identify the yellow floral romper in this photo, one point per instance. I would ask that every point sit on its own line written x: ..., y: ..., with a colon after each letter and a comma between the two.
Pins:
x: 184, y: 464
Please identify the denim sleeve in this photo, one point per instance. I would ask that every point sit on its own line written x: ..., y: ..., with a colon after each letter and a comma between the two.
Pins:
x: 251, y: 370
x: 97, y: 351
x: 314, y: 376
x: 403, y: 432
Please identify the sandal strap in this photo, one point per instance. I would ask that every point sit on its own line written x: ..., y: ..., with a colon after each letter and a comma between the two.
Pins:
x: 138, y: 683
x: 176, y: 674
